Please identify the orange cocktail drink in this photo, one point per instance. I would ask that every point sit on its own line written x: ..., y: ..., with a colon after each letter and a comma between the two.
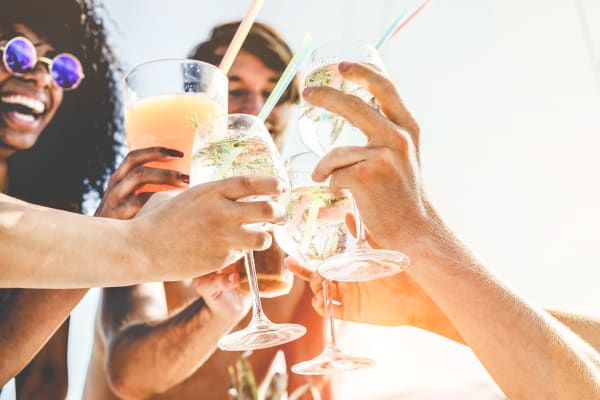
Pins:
x: 166, y: 102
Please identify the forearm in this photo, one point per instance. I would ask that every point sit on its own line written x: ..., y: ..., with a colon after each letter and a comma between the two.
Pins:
x: 46, y: 248
x: 28, y: 318
x: 169, y: 351
x: 502, y: 329
x: 585, y: 327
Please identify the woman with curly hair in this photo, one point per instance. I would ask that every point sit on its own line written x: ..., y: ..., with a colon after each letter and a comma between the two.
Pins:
x: 59, y: 116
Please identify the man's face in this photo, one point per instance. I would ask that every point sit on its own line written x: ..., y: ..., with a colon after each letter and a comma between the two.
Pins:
x: 250, y: 84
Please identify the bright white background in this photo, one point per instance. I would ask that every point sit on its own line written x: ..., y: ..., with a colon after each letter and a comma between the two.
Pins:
x: 508, y: 96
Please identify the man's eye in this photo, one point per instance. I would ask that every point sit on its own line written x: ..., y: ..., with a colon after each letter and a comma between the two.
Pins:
x: 237, y: 93
x: 266, y: 94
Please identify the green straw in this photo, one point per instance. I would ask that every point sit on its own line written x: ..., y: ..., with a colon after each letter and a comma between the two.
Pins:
x: 286, y: 78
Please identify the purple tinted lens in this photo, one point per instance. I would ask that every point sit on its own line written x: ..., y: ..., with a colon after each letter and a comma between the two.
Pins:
x: 66, y: 71
x: 20, y: 55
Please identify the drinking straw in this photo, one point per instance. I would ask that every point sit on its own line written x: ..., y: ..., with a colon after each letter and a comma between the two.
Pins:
x: 276, y: 93
x: 390, y: 30
x: 286, y: 78
x: 398, y: 24
x: 240, y: 36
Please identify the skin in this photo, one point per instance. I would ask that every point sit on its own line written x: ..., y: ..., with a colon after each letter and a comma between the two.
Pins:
x: 47, y: 372
x: 437, y: 291
x: 250, y: 84
x: 172, y: 329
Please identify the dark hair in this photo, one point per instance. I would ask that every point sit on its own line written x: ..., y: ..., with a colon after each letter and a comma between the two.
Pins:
x: 263, y: 42
x: 77, y: 150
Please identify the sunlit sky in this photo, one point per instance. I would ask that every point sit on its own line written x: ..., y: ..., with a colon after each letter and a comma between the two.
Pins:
x: 508, y: 96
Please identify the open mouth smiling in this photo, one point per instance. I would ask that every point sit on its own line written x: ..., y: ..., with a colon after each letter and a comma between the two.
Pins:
x: 22, y: 111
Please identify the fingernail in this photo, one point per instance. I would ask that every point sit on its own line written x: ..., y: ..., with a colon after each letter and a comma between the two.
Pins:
x: 318, y: 177
x: 344, y: 66
x: 173, y: 153
x: 233, y: 278
x: 307, y: 91
x: 185, y: 178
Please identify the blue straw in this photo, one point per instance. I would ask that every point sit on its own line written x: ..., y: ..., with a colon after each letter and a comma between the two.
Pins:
x: 390, y: 31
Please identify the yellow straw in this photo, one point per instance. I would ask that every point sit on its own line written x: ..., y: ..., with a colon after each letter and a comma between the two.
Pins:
x: 240, y: 36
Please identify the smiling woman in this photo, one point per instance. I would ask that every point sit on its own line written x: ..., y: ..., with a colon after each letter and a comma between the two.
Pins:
x: 55, y: 147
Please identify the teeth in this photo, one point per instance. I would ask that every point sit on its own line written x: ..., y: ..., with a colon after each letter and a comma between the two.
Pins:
x: 35, y: 105
x: 24, y: 117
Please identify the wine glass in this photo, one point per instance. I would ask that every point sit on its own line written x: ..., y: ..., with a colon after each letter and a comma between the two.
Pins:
x: 240, y: 144
x: 322, y: 130
x: 316, y: 230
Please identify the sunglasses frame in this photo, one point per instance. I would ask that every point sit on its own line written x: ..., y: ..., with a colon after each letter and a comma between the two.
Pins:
x: 44, y: 60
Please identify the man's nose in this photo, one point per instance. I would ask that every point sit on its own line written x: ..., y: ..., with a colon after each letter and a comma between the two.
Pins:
x: 252, y: 103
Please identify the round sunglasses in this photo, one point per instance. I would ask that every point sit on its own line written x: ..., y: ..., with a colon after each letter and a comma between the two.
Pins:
x: 19, y: 57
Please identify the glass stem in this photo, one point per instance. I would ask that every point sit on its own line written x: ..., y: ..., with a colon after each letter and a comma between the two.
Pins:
x: 331, y: 345
x: 361, y: 241
x: 258, y: 316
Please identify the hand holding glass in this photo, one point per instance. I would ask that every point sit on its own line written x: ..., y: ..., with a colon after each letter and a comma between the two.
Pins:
x: 321, y: 131
x: 240, y: 144
x: 315, y: 231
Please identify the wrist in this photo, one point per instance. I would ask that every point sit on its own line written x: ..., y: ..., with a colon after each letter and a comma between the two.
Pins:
x: 140, y: 250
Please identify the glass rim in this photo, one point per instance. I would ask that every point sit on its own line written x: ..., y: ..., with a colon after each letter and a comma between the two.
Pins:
x: 344, y: 40
x: 342, y: 50
x: 238, y: 115
x: 171, y: 60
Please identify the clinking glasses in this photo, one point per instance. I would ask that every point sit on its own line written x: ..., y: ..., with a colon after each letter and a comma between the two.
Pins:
x: 19, y: 57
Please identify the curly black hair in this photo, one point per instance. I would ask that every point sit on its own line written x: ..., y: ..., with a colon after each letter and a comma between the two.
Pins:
x: 76, y: 152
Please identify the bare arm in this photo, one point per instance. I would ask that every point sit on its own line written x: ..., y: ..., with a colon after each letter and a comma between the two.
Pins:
x: 47, y: 372
x: 28, y: 318
x: 553, y: 361
x: 43, y: 247
x: 46, y: 248
x: 414, y: 307
x: 139, y: 332
x: 501, y: 327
